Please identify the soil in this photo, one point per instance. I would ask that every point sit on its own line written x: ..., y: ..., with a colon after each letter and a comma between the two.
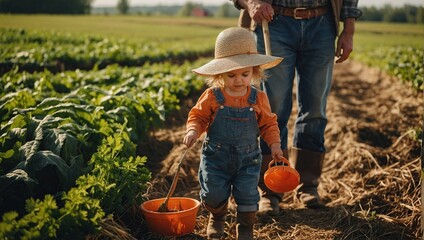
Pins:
x: 371, y: 177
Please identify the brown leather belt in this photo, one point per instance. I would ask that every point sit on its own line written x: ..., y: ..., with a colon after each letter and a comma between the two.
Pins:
x: 300, y: 13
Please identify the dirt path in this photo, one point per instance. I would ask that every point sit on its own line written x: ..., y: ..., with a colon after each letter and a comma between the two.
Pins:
x: 370, y: 181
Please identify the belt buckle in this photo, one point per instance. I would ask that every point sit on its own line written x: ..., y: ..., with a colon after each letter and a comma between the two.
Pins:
x: 295, y: 12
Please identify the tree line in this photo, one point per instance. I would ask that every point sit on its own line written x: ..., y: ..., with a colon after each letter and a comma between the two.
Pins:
x: 387, y: 13
x: 46, y: 6
x: 405, y: 14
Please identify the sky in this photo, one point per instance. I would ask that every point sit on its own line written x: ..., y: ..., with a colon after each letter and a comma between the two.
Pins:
x: 367, y: 3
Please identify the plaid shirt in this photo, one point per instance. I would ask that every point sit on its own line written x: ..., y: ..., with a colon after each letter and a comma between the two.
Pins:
x: 349, y: 7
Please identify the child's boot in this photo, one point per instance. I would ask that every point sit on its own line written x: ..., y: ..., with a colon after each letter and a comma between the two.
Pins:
x: 245, y: 222
x: 216, y: 224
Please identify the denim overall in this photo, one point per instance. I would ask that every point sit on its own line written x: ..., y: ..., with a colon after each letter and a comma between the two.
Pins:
x: 231, y: 157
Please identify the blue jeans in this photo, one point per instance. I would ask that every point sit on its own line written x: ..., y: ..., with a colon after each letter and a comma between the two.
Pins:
x: 308, y: 48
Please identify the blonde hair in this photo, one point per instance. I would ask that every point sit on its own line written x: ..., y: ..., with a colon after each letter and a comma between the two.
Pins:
x: 258, y: 76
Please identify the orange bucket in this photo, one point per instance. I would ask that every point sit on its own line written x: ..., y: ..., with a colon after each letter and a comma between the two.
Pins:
x: 281, y: 178
x: 175, y: 223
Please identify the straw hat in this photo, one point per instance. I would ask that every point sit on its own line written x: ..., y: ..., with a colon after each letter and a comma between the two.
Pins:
x: 235, y: 48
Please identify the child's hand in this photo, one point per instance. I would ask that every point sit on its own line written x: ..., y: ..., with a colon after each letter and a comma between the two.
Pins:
x: 190, y: 138
x: 276, y: 151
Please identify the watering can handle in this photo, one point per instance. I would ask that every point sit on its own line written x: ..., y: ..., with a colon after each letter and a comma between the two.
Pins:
x: 282, y: 159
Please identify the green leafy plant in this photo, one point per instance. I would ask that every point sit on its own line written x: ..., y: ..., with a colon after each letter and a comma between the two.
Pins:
x: 68, y: 140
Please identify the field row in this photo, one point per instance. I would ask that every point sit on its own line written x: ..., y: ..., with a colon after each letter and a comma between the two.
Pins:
x: 36, y: 51
x: 396, y: 48
x: 68, y: 142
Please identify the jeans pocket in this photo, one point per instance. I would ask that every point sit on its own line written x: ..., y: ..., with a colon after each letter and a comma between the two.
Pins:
x: 328, y: 18
x: 209, y: 149
x: 254, y: 169
x: 253, y: 161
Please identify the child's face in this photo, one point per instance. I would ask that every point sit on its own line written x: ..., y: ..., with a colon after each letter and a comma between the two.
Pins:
x: 238, y: 80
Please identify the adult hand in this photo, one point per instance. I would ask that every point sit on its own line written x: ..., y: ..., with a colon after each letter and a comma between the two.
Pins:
x: 345, y: 41
x: 259, y: 10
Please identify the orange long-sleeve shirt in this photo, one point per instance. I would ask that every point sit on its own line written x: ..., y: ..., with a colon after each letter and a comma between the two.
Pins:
x: 202, y: 114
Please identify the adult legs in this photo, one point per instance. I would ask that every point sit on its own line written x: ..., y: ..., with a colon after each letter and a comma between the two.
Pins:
x: 307, y: 46
x: 315, y: 68
x: 278, y: 86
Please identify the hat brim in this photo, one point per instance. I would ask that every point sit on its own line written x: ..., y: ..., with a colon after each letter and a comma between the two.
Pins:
x: 222, y: 65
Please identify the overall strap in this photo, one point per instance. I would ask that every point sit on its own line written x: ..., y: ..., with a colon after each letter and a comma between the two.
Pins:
x: 219, y: 96
x: 252, y: 96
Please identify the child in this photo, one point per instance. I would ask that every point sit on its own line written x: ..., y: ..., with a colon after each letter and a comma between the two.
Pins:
x: 233, y: 114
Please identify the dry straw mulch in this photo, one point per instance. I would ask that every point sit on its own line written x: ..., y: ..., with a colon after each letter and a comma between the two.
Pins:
x: 371, y: 177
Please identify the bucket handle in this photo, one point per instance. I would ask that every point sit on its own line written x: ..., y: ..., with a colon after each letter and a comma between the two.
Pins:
x: 282, y: 159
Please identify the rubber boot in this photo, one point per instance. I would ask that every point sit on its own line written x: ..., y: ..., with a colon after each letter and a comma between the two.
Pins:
x: 216, y: 224
x: 309, y: 165
x: 270, y: 201
x: 245, y: 222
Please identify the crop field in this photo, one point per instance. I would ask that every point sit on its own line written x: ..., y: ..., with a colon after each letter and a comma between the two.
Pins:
x: 392, y: 47
x: 397, y: 49
x: 92, y: 112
